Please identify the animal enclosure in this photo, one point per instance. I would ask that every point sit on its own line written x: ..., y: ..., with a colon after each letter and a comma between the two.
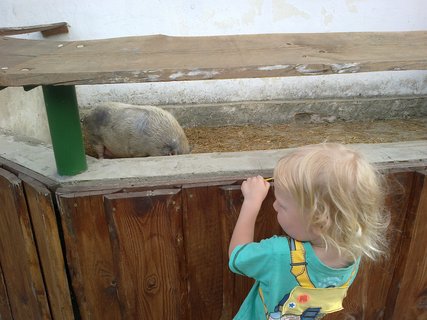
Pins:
x: 147, y: 238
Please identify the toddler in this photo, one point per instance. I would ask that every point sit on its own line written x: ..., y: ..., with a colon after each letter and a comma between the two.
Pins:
x: 330, y: 202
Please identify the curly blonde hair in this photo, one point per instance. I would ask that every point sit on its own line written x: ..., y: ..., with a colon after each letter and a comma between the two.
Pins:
x: 342, y: 195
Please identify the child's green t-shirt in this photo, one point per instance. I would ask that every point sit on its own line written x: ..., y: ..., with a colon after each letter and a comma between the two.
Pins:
x: 268, y: 262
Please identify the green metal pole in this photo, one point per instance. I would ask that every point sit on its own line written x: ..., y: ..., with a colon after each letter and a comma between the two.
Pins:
x: 65, y: 131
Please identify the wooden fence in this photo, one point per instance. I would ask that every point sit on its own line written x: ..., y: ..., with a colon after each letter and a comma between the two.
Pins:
x: 161, y: 253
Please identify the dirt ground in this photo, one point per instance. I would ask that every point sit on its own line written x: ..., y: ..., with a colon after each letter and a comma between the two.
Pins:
x: 265, y: 137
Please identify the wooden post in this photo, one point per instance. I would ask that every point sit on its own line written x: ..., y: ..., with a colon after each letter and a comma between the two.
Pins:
x: 65, y: 131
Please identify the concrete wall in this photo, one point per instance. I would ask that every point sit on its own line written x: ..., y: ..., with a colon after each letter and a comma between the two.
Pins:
x: 23, y: 112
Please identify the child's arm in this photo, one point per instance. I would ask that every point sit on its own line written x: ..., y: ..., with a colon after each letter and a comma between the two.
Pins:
x: 254, y: 191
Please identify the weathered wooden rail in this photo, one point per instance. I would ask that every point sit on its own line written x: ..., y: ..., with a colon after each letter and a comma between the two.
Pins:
x: 59, y: 66
x: 45, y: 29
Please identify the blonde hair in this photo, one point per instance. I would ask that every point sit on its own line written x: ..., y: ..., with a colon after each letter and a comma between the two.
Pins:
x: 342, y: 195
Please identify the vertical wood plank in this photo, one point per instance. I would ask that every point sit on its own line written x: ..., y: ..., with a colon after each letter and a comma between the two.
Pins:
x: 18, y: 254
x: 230, y: 202
x: 41, y: 209
x: 203, y: 247
x: 368, y: 296
x: 89, y: 255
x: 236, y: 287
x: 146, y: 233
x: 5, y: 311
x: 411, y: 302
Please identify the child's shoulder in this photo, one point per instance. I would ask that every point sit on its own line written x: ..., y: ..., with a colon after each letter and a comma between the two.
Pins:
x: 278, y: 239
x: 277, y: 246
x: 280, y: 244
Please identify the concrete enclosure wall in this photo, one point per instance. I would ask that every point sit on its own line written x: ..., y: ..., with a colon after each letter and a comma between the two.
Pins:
x: 100, y: 19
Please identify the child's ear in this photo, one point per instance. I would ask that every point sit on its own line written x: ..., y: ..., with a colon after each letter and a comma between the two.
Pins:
x: 317, y: 230
x: 320, y: 229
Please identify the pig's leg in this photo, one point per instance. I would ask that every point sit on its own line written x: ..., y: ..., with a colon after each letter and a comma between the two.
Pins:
x: 99, y: 149
x: 108, y: 154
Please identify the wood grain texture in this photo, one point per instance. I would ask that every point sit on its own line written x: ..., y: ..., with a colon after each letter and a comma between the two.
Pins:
x: 149, y: 257
x: 45, y: 29
x: 411, y: 302
x: 18, y: 254
x: 204, y: 253
x: 230, y: 202
x: 45, y: 228
x: 5, y: 311
x: 89, y: 256
x: 164, y: 58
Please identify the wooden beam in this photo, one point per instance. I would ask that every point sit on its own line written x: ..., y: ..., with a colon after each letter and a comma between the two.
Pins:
x: 164, y: 58
x: 46, y: 29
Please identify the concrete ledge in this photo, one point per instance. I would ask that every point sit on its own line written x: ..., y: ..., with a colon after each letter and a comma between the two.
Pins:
x: 185, y: 169
x: 307, y: 111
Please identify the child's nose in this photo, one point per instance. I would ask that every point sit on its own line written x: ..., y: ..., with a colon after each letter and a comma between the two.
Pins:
x: 275, y: 205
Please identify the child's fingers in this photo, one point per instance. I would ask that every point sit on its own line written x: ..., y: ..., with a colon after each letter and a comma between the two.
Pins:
x: 257, y: 180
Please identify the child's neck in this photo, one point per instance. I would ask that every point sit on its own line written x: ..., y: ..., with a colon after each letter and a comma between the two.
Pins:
x: 330, y: 257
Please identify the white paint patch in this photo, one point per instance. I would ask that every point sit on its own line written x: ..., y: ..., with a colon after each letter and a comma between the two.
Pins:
x: 203, y: 73
x: 254, y: 10
x: 153, y: 77
x: 275, y: 67
x: 345, y: 67
x: 176, y: 75
x: 351, y: 5
x: 327, y: 17
x: 283, y: 10
x: 136, y: 74
x: 309, y: 69
x: 194, y: 73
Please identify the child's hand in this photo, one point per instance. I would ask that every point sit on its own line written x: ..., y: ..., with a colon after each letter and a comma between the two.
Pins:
x: 255, y: 190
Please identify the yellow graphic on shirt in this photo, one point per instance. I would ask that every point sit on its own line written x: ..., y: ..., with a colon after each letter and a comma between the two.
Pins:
x: 305, y: 301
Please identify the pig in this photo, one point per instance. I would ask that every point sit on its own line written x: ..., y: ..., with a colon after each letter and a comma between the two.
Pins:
x: 118, y: 130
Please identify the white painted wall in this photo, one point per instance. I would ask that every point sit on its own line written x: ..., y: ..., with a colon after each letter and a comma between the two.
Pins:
x: 98, y: 19
x: 105, y: 19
